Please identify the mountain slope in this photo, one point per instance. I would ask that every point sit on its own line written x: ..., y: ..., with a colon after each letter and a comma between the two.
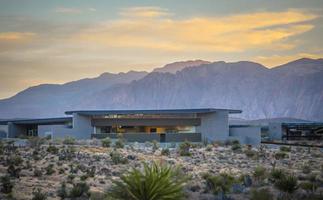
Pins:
x: 291, y: 90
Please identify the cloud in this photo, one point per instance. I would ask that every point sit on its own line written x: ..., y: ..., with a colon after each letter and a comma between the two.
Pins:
x: 153, y: 28
x: 146, y: 12
x: 16, y: 36
x: 68, y: 10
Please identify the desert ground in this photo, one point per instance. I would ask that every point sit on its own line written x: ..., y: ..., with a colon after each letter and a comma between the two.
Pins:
x: 71, y: 169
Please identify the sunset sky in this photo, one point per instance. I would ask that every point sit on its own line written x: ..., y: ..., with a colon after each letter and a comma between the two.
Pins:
x: 47, y: 41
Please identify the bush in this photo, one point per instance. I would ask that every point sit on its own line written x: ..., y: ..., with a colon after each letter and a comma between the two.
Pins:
x: 236, y: 147
x: 7, y: 185
x: 308, y: 186
x: 250, y: 153
x: 285, y: 149
x: 261, y: 194
x: 153, y: 182
x: 155, y: 145
x: 119, y: 144
x: 68, y: 140
x: 277, y: 174
x: 50, y: 169
x: 79, y: 189
x: 280, y: 155
x: 287, y: 184
x: 209, y: 147
x: 13, y: 171
x: 117, y: 158
x: 184, y: 149
x: 106, y: 142
x: 52, y: 149
x: 35, y: 142
x: 259, y: 173
x: 39, y: 195
x: 14, y: 160
x: 62, y: 192
x: 306, y: 169
x: 220, y: 184
x: 37, y: 172
x: 165, y: 152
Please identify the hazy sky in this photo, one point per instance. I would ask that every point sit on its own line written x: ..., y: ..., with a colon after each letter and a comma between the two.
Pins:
x: 47, y: 41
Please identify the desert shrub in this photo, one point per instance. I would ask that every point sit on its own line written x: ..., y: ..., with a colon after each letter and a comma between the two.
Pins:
x: 37, y: 172
x: 165, y: 152
x: 285, y: 149
x: 209, y: 147
x: 250, y: 153
x: 39, y: 195
x: 13, y: 171
x: 236, y: 147
x: 119, y: 144
x: 52, y: 149
x: 50, y: 169
x: 306, y: 168
x: 1, y: 147
x: 62, y: 191
x: 36, y: 155
x: 277, y: 174
x: 117, y: 158
x: 261, y: 194
x: 7, y: 185
x: 84, y: 177
x: 259, y: 173
x: 309, y: 187
x: 184, y: 148
x: 35, y: 142
x: 280, y: 155
x: 155, y: 145
x: 68, y: 140
x: 219, y: 184
x: 91, y: 172
x: 14, y: 160
x: 106, y: 142
x: 235, y: 142
x: 79, y: 190
x: 70, y: 178
x: 153, y: 182
x: 287, y: 184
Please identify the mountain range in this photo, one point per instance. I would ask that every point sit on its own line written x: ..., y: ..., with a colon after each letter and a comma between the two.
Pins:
x: 291, y: 90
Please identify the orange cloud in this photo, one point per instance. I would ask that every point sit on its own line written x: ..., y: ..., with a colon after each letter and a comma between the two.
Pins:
x: 237, y: 33
x: 16, y: 36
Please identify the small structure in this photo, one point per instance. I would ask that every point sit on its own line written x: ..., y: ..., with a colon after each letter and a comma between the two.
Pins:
x: 171, y: 125
x: 290, y: 129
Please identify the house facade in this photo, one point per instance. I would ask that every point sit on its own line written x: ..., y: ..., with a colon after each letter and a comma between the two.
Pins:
x: 171, y: 125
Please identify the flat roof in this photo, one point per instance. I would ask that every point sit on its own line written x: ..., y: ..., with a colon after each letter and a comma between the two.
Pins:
x: 157, y: 111
x: 42, y: 121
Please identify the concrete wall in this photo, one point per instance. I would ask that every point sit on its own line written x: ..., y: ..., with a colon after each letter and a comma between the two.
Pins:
x: 246, y: 135
x: 275, y: 131
x: 3, y: 131
x: 214, y: 126
x: 82, y: 128
x: 15, y: 130
x: 56, y: 131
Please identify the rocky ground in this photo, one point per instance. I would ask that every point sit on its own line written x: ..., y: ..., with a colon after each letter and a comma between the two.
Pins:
x: 47, y: 166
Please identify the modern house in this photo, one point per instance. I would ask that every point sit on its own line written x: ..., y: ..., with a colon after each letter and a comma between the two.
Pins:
x: 171, y: 125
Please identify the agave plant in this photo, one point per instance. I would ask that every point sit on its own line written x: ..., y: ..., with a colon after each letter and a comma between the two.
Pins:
x: 287, y: 184
x: 154, y: 182
x: 220, y: 184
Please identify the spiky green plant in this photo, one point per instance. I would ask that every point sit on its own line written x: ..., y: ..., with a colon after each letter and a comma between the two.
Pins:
x: 277, y: 174
x: 154, y: 182
x: 287, y: 184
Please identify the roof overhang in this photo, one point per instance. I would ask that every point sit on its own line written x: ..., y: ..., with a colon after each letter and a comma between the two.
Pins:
x: 161, y: 111
x: 43, y: 121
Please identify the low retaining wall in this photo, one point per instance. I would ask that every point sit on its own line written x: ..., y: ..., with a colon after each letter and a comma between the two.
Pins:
x: 144, y: 137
